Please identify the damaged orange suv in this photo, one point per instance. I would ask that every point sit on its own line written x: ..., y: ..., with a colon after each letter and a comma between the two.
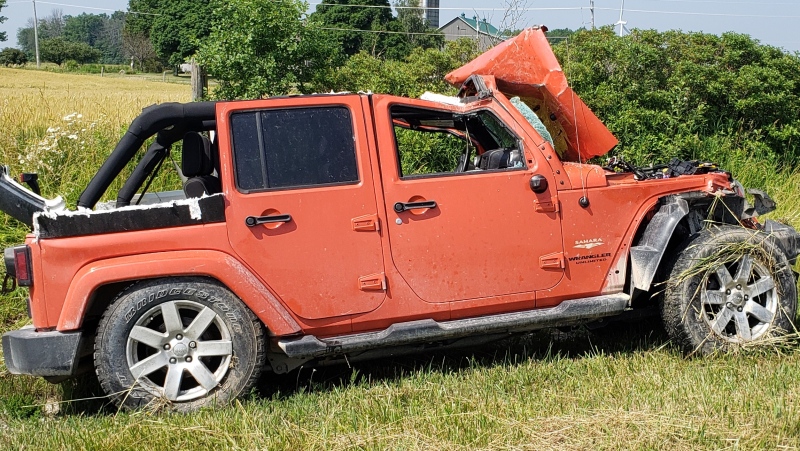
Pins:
x: 314, y: 229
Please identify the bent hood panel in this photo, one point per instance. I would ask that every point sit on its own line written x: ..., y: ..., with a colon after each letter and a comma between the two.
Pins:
x: 525, y: 66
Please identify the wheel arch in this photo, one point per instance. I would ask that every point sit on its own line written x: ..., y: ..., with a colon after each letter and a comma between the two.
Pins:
x: 105, y: 279
x: 675, y: 218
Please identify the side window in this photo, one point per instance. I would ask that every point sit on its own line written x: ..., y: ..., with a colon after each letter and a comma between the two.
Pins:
x: 432, y: 142
x: 286, y: 148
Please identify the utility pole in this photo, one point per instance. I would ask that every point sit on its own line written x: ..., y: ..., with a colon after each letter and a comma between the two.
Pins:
x: 36, y: 34
x: 591, y: 8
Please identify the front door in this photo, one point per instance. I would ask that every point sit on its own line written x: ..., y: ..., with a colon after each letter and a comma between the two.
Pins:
x: 463, y: 221
x: 302, y: 212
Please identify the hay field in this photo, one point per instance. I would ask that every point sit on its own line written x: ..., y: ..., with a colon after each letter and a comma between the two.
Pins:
x: 63, y: 125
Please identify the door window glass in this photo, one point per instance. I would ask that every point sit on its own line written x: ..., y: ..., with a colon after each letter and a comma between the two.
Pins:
x: 285, y: 148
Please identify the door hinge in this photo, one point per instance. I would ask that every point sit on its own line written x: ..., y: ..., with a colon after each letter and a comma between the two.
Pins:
x: 552, y: 261
x: 546, y: 206
x: 366, y: 223
x: 372, y: 282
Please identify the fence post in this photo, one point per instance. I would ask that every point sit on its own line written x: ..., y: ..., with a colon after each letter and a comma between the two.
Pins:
x: 197, y: 81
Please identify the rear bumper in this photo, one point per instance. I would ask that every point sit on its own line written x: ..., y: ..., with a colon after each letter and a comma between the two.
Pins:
x: 34, y: 353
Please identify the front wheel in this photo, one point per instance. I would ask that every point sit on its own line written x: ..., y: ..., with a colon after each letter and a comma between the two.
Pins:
x: 186, y: 343
x: 728, y: 286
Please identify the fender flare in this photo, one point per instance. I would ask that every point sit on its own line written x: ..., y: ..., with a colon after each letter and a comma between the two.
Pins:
x: 214, y: 264
x: 647, y: 254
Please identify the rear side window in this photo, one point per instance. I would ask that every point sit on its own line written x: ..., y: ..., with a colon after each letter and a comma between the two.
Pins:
x: 293, y: 147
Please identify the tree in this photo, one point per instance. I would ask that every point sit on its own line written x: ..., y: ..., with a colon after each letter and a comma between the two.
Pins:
x: 58, y: 50
x: 137, y: 45
x: 340, y: 15
x: 50, y: 27
x: 177, y: 28
x: 110, y: 40
x: 265, y: 47
x: 86, y: 28
x: 10, y: 56
x: 3, y: 35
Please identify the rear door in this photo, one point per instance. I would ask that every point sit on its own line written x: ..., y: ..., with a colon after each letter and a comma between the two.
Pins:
x: 302, y: 211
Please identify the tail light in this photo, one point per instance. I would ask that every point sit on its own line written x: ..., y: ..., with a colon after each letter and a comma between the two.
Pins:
x: 18, y: 264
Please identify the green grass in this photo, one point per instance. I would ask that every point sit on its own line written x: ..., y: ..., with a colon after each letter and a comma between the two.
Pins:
x: 547, y: 391
x: 550, y: 390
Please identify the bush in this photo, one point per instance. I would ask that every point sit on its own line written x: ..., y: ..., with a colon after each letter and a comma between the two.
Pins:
x: 688, y: 95
x: 12, y: 57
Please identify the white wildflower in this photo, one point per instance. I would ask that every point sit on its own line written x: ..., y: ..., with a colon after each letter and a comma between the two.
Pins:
x: 73, y: 137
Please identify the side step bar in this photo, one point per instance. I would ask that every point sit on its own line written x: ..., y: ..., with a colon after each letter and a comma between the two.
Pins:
x: 427, y: 330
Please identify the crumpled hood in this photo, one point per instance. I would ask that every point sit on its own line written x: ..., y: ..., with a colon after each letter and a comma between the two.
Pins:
x: 525, y: 66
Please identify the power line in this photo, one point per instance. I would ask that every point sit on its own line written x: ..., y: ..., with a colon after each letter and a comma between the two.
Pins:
x: 721, y: 1
x: 85, y: 7
x: 421, y: 33
x: 581, y: 8
x: 555, y: 8
x: 687, y: 13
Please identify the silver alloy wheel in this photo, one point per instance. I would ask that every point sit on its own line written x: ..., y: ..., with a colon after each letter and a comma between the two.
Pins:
x: 180, y: 350
x: 740, y: 308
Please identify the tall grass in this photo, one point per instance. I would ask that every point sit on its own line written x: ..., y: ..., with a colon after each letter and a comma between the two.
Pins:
x: 630, y: 390
x: 64, y: 126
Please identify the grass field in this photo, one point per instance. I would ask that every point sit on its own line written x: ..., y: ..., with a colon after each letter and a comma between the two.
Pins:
x: 629, y: 389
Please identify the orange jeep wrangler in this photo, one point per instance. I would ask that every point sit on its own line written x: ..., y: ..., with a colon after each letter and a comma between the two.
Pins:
x: 314, y: 229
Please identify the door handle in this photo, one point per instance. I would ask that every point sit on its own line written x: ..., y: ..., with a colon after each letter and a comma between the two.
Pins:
x: 400, y: 207
x: 253, y: 221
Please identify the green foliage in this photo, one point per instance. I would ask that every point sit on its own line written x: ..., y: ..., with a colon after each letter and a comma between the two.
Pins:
x: 3, y: 35
x: 428, y: 153
x: 412, y: 22
x: 336, y: 14
x: 20, y: 405
x: 670, y: 94
x: 176, y: 30
x: 374, y: 30
x: 58, y: 50
x: 99, y: 31
x: 265, y: 47
x: 423, y: 70
x: 10, y: 56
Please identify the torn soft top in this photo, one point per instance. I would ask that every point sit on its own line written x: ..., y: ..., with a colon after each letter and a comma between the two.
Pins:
x: 525, y: 66
x: 173, y: 213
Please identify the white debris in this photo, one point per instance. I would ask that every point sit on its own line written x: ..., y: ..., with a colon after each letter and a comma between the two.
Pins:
x: 194, y: 210
x: 440, y: 98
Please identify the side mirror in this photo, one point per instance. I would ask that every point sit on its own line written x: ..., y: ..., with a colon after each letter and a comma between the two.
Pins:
x: 538, y: 184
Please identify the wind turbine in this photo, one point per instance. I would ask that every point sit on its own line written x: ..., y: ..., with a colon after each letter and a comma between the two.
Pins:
x: 621, y: 22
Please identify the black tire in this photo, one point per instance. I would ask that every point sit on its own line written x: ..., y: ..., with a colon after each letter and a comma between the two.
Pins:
x: 709, y: 306
x: 214, y: 355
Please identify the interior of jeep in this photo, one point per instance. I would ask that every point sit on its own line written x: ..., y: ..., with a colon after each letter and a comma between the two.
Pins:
x: 435, y: 142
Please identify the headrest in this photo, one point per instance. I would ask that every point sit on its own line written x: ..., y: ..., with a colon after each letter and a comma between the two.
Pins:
x: 196, y: 159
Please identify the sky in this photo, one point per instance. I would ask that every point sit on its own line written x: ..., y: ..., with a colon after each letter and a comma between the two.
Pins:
x: 771, y: 21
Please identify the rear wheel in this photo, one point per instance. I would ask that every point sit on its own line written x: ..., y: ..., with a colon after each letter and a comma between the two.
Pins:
x: 185, y: 343
x: 728, y: 286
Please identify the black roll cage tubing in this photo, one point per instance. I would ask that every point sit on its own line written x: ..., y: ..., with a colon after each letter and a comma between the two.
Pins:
x: 171, y: 121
